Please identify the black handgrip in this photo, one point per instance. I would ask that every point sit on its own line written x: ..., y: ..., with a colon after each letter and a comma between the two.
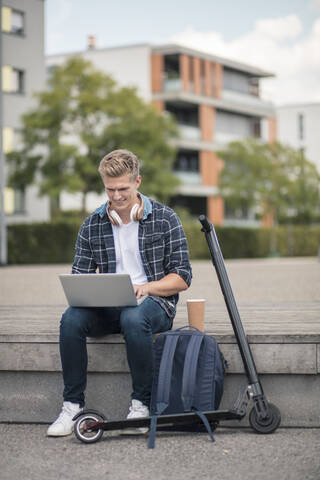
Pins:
x: 207, y: 227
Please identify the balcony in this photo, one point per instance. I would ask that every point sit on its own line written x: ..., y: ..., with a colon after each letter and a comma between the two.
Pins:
x: 244, y: 98
x: 188, y: 178
x: 223, y: 138
x: 172, y: 84
x: 189, y: 132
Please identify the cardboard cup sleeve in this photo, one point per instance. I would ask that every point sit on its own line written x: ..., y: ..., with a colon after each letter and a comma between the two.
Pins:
x: 196, y: 307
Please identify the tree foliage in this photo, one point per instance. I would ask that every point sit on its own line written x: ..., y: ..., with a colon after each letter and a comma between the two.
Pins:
x: 272, y: 178
x: 81, y: 117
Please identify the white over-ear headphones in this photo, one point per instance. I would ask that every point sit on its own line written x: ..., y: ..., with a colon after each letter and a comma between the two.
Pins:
x: 136, y: 213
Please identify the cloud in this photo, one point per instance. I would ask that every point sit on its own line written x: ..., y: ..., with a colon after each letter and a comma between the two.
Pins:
x: 315, y: 5
x: 280, y: 28
x: 276, y: 45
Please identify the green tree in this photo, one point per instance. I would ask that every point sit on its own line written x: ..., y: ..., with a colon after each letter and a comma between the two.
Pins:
x: 304, y: 199
x: 82, y: 116
x: 272, y: 178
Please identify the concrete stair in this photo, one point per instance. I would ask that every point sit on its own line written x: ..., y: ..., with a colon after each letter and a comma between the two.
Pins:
x: 284, y: 337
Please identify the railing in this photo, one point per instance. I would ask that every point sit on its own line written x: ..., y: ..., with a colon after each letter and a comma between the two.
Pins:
x: 239, y: 97
x: 172, y: 84
x: 188, y: 178
x: 225, y: 137
x: 189, y: 132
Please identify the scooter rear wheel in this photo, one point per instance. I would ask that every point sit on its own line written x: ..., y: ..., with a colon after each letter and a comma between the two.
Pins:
x: 268, y: 424
x: 82, y: 428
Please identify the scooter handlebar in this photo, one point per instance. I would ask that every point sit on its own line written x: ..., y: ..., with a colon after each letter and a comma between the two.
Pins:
x: 207, y: 227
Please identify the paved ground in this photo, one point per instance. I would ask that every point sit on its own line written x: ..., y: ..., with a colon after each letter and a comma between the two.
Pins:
x: 273, y: 297
x: 253, y: 281
x: 292, y: 454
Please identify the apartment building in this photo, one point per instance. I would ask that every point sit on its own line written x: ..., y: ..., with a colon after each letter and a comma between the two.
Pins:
x: 298, y: 126
x: 214, y: 100
x: 23, y: 73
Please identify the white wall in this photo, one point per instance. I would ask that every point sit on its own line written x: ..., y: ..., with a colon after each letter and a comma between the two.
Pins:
x: 37, y: 208
x: 288, y: 129
x: 129, y: 66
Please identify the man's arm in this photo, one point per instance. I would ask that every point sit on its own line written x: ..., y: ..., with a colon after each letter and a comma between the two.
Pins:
x: 176, y: 262
x: 84, y: 260
x: 168, y: 285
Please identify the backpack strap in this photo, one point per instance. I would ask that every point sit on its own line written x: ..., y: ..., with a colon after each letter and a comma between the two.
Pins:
x: 189, y: 379
x: 164, y: 383
x: 190, y: 371
x: 165, y: 373
x: 205, y: 423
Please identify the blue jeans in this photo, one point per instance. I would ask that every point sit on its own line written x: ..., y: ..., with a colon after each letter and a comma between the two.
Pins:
x: 137, y: 324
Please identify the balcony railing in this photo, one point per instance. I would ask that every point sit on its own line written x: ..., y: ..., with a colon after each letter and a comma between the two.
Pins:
x: 188, y: 178
x: 189, y: 132
x: 172, y: 84
x: 225, y: 137
x: 241, y: 98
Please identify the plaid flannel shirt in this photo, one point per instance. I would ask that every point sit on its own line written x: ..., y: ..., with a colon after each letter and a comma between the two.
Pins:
x: 162, y: 244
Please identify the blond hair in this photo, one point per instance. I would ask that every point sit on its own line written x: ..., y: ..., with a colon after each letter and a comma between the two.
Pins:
x: 119, y: 163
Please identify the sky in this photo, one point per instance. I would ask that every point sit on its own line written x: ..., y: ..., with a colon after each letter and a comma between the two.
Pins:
x: 279, y: 36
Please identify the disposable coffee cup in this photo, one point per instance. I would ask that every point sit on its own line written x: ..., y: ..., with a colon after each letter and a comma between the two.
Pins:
x: 195, y: 307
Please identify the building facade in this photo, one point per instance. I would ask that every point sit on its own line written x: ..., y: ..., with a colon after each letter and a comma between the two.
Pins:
x: 214, y: 101
x: 298, y: 126
x: 23, y: 73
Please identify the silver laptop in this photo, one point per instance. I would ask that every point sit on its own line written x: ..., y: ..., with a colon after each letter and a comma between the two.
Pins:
x: 99, y: 290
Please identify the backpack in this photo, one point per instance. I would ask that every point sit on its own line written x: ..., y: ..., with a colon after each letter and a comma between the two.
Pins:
x: 189, y: 374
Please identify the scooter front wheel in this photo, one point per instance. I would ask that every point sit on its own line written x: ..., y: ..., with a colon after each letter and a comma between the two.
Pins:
x: 268, y: 424
x: 84, y: 428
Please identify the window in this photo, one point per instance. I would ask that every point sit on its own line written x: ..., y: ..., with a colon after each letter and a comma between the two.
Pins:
x: 300, y: 126
x: 236, y: 81
x: 184, y: 114
x: 239, y: 213
x: 9, y: 201
x: 254, y: 86
x: 172, y: 66
x: 187, y: 161
x: 12, y: 79
x: 7, y: 139
x: 195, y: 205
x: 233, y: 123
x: 12, y: 21
x: 14, y: 201
x: 256, y: 127
x: 11, y: 139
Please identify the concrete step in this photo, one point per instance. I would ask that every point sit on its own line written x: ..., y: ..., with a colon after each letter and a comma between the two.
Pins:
x: 284, y: 338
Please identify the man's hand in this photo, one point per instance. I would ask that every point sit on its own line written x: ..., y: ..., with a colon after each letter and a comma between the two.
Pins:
x: 168, y: 285
x: 141, y: 290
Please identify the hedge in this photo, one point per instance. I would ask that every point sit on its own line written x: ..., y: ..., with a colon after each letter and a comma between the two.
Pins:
x: 54, y: 242
x: 238, y: 242
x: 42, y: 242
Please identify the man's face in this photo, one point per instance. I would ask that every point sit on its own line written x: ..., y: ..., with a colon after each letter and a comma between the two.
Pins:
x: 122, y: 192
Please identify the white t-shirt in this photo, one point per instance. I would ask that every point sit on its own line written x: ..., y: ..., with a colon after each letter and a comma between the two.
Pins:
x: 128, y: 258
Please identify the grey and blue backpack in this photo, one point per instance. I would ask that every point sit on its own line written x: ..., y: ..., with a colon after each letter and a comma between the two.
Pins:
x: 188, y: 376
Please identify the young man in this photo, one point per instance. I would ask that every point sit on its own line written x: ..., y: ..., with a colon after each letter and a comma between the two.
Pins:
x: 132, y: 234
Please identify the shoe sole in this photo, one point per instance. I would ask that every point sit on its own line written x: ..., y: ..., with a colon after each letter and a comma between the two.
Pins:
x: 59, y: 434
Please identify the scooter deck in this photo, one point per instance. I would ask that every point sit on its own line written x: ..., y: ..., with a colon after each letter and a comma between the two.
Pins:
x: 171, y: 420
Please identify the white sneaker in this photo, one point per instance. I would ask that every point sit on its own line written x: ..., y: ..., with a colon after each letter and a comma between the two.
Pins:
x: 136, y: 410
x: 64, y: 424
